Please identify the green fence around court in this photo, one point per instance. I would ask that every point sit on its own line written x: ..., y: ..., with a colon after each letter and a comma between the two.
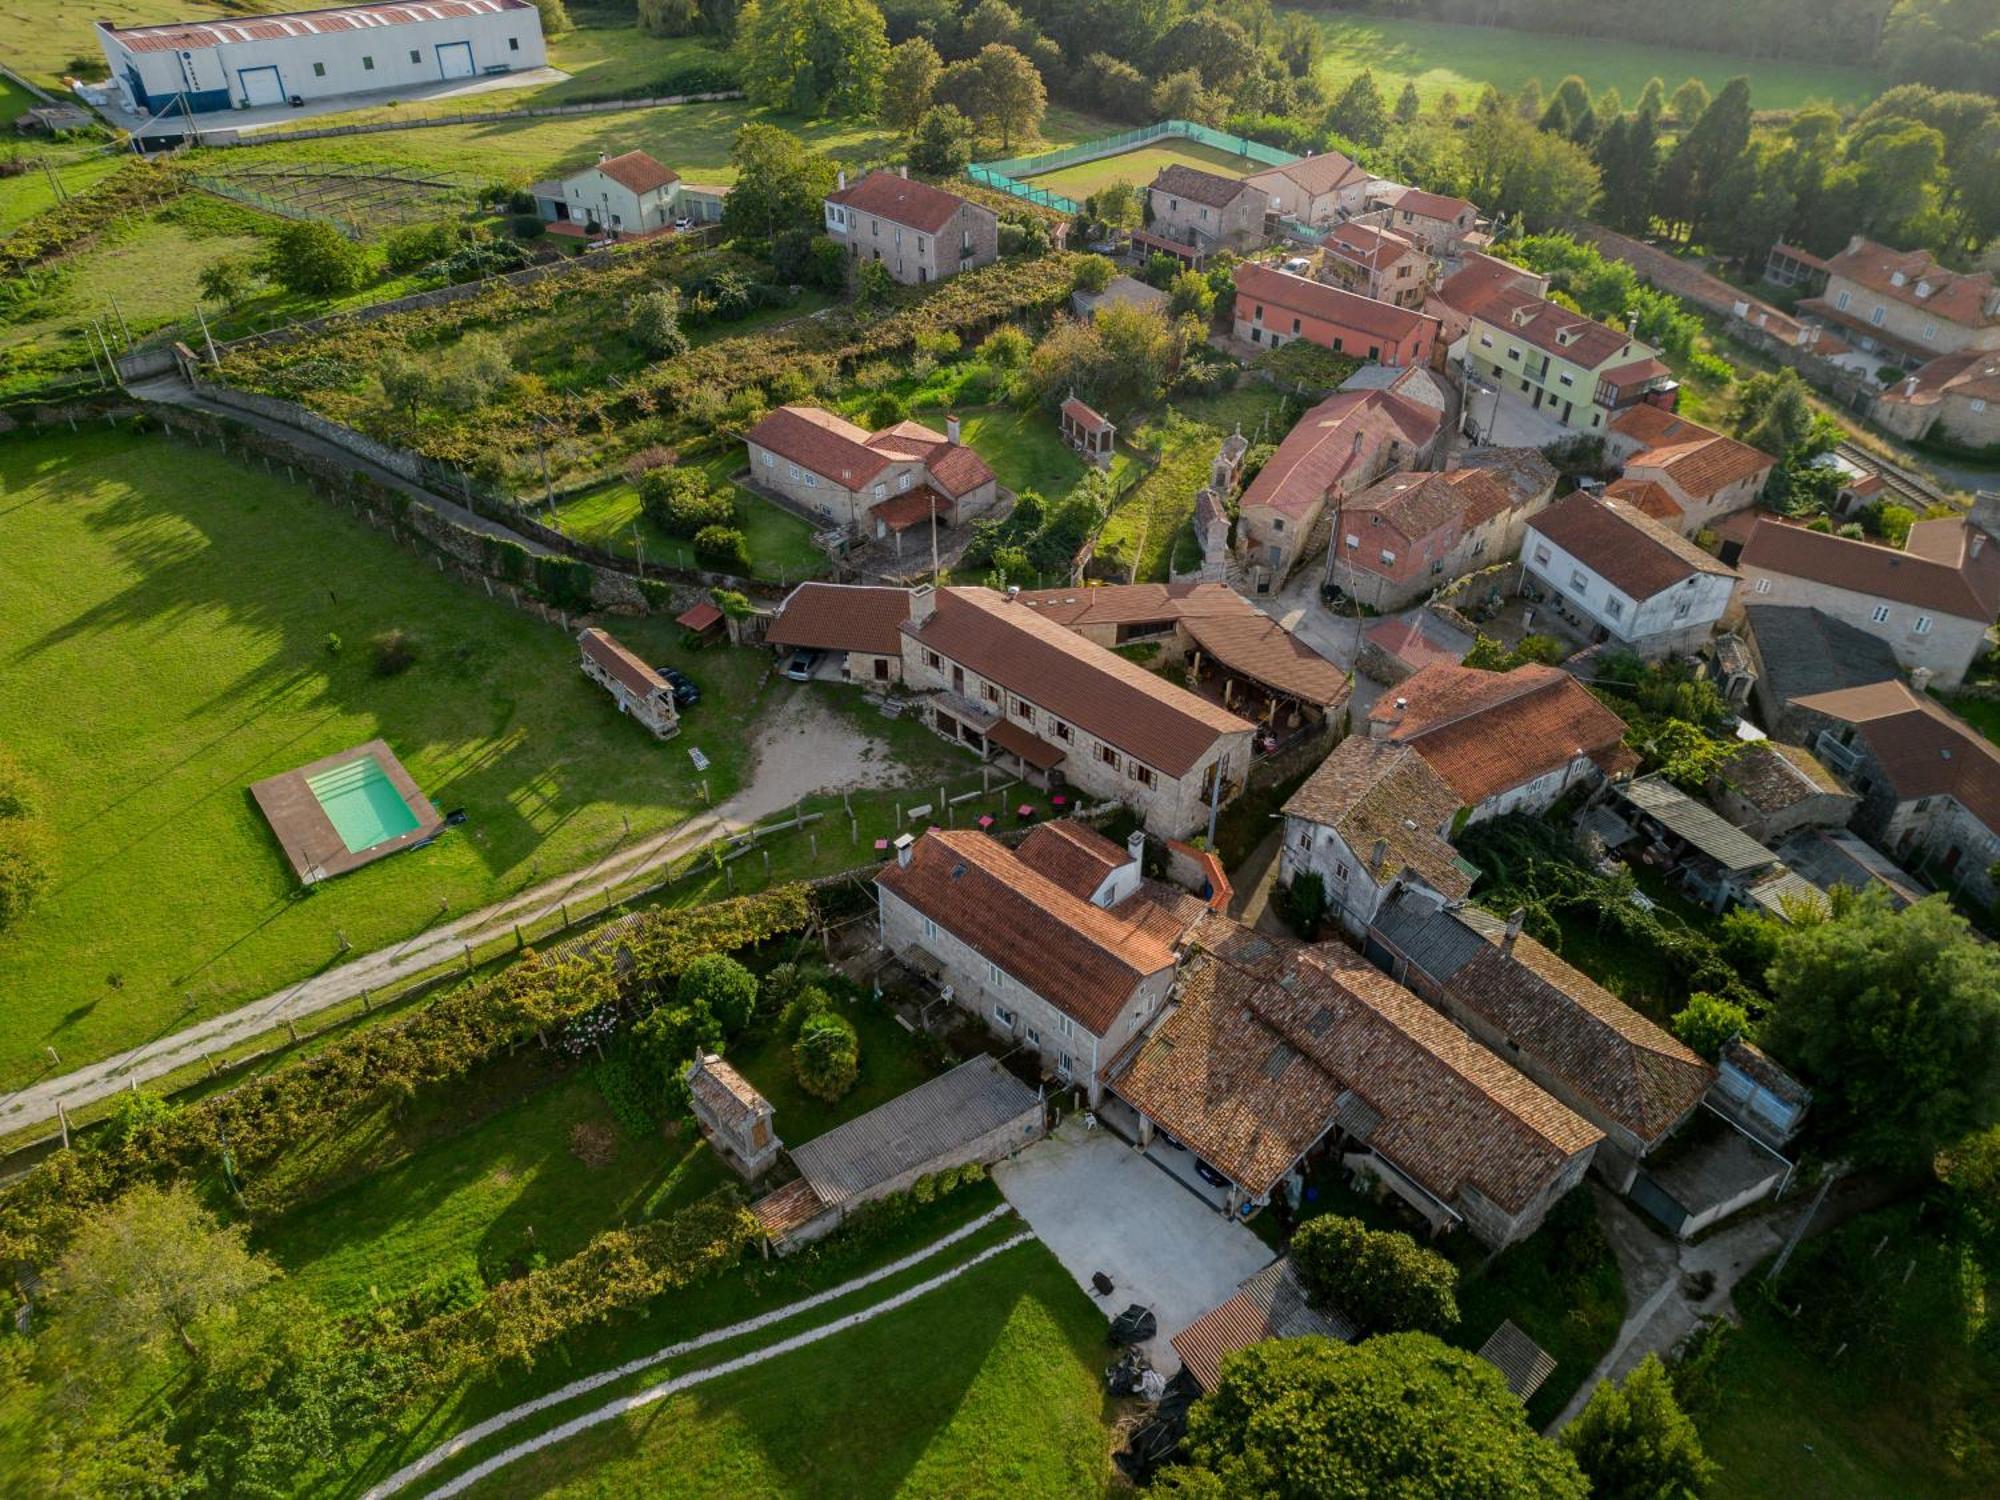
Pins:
x: 1005, y: 174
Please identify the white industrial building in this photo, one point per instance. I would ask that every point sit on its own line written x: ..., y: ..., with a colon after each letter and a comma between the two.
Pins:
x: 204, y: 66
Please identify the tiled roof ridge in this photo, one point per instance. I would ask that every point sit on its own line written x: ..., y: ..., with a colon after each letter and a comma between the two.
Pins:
x: 1098, y: 925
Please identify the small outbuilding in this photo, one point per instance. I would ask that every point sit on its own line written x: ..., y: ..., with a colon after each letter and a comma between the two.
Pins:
x: 736, y: 1119
x: 1089, y: 432
x: 636, y: 688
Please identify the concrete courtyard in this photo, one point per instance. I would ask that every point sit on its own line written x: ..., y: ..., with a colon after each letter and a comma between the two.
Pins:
x: 1100, y: 1205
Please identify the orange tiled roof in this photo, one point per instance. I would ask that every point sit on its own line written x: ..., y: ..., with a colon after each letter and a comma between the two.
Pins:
x: 1702, y: 467
x: 1074, y: 855
x: 621, y: 662
x: 1315, y: 299
x: 1648, y: 497
x: 1320, y: 451
x: 842, y: 617
x: 638, y: 172
x: 1914, y: 278
x: 1373, y: 792
x: 1623, y: 546
x: 902, y: 200
x: 1938, y: 567
x: 1924, y: 749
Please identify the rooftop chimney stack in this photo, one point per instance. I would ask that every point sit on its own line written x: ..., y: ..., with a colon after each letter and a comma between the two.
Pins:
x: 1514, y: 920
x: 904, y: 842
x: 904, y: 173
x: 1135, y: 846
x: 1377, y: 855
x: 842, y: 176
x: 923, y: 603
x: 951, y: 428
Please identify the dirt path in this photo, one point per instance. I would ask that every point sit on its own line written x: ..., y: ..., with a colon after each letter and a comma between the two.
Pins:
x: 801, y: 748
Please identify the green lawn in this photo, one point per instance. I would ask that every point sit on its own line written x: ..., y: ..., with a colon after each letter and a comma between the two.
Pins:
x: 1024, y: 449
x: 1983, y: 714
x: 781, y: 546
x: 29, y: 193
x: 15, y: 101
x: 163, y: 643
x: 1139, y: 167
x: 1439, y: 57
x: 989, y: 1386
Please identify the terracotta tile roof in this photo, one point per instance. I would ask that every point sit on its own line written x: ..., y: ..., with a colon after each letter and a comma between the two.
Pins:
x: 1074, y: 855
x: 1647, y: 497
x: 1180, y: 180
x: 1085, y: 417
x: 1320, y: 452
x: 617, y: 659
x: 902, y: 200
x: 831, y: 446
x: 1374, y: 792
x: 1270, y: 1305
x: 1368, y: 245
x: 637, y: 171
x: 912, y: 508
x: 1527, y: 475
x: 790, y: 1207
x: 1315, y: 299
x: 1924, y: 749
x: 1417, y: 503
x: 703, y: 616
x: 1318, y: 175
x: 1623, y: 546
x: 1433, y: 205
x: 842, y: 617
x: 1937, y: 570
x: 1117, y: 701
x: 1702, y: 467
x: 1915, y: 279
x: 1415, y: 640
x: 1486, y: 732
x: 1256, y: 646
x: 1026, y: 744
x: 1080, y: 958
x: 1772, y: 776
x: 1554, y: 329
x: 957, y: 470
x: 1634, y: 1073
x: 1654, y: 426
x: 1134, y: 603
x: 724, y: 1092
x: 1168, y: 912
x: 1971, y: 373
x: 1652, y: 367
x: 1479, y: 281
x: 180, y: 36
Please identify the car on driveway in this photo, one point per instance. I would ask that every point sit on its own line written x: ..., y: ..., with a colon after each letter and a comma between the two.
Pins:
x: 804, y: 661
x: 686, y: 694
x: 1209, y: 1175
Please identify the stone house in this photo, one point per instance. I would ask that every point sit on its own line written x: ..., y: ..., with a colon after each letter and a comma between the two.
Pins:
x: 1797, y: 652
x: 875, y: 483
x: 1336, y: 449
x: 1904, y: 306
x: 1409, y: 534
x: 1770, y: 789
x: 635, y: 687
x: 1059, y: 946
x: 1931, y: 603
x: 1315, y: 190
x: 1702, y: 475
x: 1929, y: 782
x: 1621, y: 576
x: 1377, y: 263
x: 1273, y: 308
x: 862, y: 623
x: 1954, y: 398
x: 736, y: 1119
x: 1570, y: 1035
x: 1061, y: 711
x: 1438, y: 223
x: 918, y: 232
x: 1201, y: 212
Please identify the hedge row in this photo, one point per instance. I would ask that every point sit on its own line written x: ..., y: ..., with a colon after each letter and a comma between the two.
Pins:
x: 250, y: 1127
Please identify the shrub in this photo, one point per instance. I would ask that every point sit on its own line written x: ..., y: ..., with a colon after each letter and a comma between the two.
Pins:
x: 416, y: 245
x: 528, y: 226
x: 800, y: 1007
x: 827, y: 1056
x: 393, y: 652
x: 723, y: 545
x: 1007, y: 348
x: 314, y: 259
x: 886, y: 410
x: 1707, y: 1021
x: 680, y: 502
x: 1386, y: 1282
x: 1094, y: 273
x: 27, y: 864
x: 1303, y: 903
x: 655, y: 322
x: 631, y: 1090
x: 724, y: 986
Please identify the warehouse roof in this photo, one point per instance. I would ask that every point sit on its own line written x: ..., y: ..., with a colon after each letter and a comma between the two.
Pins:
x: 181, y: 36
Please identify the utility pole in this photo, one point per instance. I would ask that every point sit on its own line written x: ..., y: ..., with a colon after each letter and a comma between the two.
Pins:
x: 207, y: 337
x: 123, y: 326
x: 1805, y: 1221
x: 542, y: 449
x: 934, y: 540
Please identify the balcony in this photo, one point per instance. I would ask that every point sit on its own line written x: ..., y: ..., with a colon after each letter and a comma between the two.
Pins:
x: 1628, y: 385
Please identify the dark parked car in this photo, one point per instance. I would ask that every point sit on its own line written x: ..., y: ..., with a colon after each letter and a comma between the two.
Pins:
x: 1331, y: 593
x: 1208, y: 1174
x: 686, y: 694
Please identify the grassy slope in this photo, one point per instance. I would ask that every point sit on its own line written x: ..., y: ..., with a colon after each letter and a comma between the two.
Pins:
x: 987, y: 1386
x: 1464, y: 59
x: 24, y: 196
x: 162, y: 629
x: 1138, y: 167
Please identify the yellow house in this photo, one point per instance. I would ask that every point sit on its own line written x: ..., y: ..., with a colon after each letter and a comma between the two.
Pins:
x: 1575, y: 371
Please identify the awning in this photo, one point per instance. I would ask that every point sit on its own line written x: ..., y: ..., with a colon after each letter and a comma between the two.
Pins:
x: 702, y: 618
x: 901, y: 512
x: 1032, y: 749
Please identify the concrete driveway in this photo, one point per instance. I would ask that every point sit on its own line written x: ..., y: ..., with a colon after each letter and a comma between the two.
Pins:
x: 1102, y: 1206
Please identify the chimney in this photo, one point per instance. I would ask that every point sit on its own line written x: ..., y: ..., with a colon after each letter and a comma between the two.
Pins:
x: 903, y: 844
x: 1013, y: 592
x: 604, y: 156
x: 904, y: 172
x: 1910, y: 386
x: 923, y: 604
x: 1135, y: 846
x: 1920, y: 678
x: 1377, y: 855
x: 1514, y: 920
x: 951, y: 428
x: 843, y: 179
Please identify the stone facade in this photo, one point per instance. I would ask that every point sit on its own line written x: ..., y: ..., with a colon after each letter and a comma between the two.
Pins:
x: 1942, y: 644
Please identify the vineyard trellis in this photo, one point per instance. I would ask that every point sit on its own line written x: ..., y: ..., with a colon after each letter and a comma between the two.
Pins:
x: 357, y: 200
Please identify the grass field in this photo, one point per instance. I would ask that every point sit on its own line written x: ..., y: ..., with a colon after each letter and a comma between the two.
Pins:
x: 163, y: 643
x: 1464, y: 59
x: 27, y: 194
x: 1138, y: 167
x: 988, y: 1386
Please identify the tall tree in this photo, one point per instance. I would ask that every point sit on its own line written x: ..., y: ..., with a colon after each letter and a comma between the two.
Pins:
x: 1896, y: 1016
x: 941, y: 145
x: 1540, y: 180
x: 1358, y: 113
x: 1703, y: 155
x: 1633, y: 1442
x: 994, y: 21
x: 1690, y: 99
x: 1210, y: 43
x: 1399, y: 1414
x: 1180, y: 96
x: 908, y: 81
x: 1652, y: 99
x: 780, y: 185
x: 1628, y: 158
x: 1408, y: 105
x: 1385, y: 1282
x: 812, y: 57
x: 999, y: 91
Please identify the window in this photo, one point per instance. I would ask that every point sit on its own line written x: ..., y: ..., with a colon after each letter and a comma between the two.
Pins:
x: 1256, y: 335
x: 1277, y: 523
x: 1062, y: 731
x: 920, y: 244
x: 415, y: 56
x: 930, y: 928
x: 1930, y: 332
x: 1763, y: 585
x: 1065, y: 1066
x: 1876, y: 316
x: 1978, y: 403
x: 1067, y: 1028
x: 792, y: 471
x: 881, y: 491
x: 933, y: 661
x: 1109, y: 756
x: 1841, y: 301
x: 1614, y: 607
x: 1339, y: 871
x: 1437, y: 567
x: 1542, y: 553
x: 770, y: 460
x: 1881, y: 614
x: 994, y: 977
x: 513, y: 44
x: 1923, y: 624
x: 902, y: 483
x: 1479, y: 547
x: 1305, y: 838
x: 1258, y: 315
x: 1515, y: 355
x: 1025, y: 710
x: 367, y: 63
x: 992, y: 693
x: 319, y: 70
x: 1295, y: 325
x: 1485, y: 342
x: 1682, y: 609
x: 1374, y: 351
x: 1034, y: 1037
x: 1353, y: 541
x: 1579, y: 581
x: 1388, y: 556
x: 1564, y: 380
x: 1142, y: 774
x: 812, y: 479
x: 1004, y: 1016
x: 1204, y: 216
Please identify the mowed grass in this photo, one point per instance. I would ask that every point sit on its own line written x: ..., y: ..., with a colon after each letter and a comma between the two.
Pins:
x: 1441, y: 58
x: 610, y: 516
x: 164, y: 624
x: 988, y: 1386
x: 29, y: 193
x: 1139, y: 167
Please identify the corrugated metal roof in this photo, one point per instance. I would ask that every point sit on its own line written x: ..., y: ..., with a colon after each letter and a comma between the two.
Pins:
x: 1522, y: 1363
x: 931, y: 1120
x: 178, y: 36
x: 1685, y: 818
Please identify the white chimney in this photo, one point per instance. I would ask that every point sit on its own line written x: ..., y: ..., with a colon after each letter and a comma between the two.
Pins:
x: 843, y: 179
x: 904, y: 173
x: 904, y: 842
x: 1514, y: 920
x: 951, y: 427
x: 923, y: 603
x: 1920, y: 678
x: 1135, y: 846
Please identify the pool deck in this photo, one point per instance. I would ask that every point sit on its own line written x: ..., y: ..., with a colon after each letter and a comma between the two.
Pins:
x: 310, y: 841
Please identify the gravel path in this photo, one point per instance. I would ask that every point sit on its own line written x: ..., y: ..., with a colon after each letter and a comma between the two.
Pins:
x: 457, y: 1445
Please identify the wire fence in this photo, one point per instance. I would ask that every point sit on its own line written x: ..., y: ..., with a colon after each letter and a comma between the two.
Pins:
x: 358, y: 201
x: 1005, y: 174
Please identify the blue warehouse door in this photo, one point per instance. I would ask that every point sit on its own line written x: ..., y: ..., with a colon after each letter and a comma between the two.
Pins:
x: 261, y: 86
x: 454, y: 59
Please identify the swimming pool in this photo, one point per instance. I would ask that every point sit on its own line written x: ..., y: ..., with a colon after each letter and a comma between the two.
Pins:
x: 362, y: 803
